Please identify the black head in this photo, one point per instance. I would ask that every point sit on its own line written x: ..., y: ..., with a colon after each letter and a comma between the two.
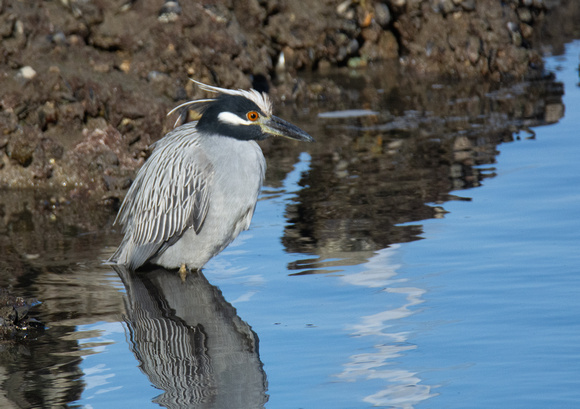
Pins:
x: 234, y: 116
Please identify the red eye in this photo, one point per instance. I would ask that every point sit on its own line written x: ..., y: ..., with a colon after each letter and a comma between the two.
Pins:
x: 252, y: 116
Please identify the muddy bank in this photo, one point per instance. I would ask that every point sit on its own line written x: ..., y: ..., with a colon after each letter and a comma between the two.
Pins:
x: 86, y: 84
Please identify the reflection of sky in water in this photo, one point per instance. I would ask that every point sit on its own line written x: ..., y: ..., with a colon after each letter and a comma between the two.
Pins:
x: 110, y: 370
x: 403, y: 388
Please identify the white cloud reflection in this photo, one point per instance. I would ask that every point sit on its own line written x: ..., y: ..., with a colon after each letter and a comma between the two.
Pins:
x: 403, y: 388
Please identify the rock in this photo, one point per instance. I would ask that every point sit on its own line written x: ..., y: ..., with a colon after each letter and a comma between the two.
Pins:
x: 6, y: 24
x: 446, y: 6
x: 398, y: 3
x: 517, y: 38
x: 22, y: 145
x: 525, y: 14
x: 382, y: 15
x: 26, y: 72
x: 105, y: 160
x: 170, y: 12
x: 343, y: 9
x: 356, y: 62
x: 388, y: 45
x: 385, y: 48
x: 8, y: 124
x: 473, y: 49
x: 156, y: 76
x: 52, y: 150
x: 47, y: 114
x: 526, y: 30
x: 352, y: 46
x: 125, y: 66
x: 371, y: 33
x: 324, y: 65
x: 58, y: 38
x: 468, y: 5
x: 539, y: 4
x: 87, y: 10
x: 70, y: 113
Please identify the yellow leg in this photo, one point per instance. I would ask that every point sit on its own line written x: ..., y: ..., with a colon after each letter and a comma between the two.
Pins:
x: 183, y: 272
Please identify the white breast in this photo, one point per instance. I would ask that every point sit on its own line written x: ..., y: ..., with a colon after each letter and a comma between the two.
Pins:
x: 239, y: 168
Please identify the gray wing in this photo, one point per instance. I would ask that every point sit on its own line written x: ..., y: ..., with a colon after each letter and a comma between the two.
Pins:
x: 168, y: 196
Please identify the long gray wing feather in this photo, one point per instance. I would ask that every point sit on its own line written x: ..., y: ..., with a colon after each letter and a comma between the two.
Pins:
x: 168, y: 196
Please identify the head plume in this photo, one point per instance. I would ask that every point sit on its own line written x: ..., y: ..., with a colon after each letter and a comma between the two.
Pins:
x: 260, y: 99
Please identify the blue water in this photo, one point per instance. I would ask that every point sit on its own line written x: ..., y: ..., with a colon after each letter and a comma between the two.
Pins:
x: 484, y: 312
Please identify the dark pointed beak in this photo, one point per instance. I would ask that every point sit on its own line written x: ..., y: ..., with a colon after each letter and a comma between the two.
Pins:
x: 279, y: 127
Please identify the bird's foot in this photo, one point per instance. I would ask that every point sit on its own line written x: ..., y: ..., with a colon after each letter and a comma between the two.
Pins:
x: 183, y: 272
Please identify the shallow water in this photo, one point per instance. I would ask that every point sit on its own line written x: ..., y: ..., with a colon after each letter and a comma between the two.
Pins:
x: 422, y: 254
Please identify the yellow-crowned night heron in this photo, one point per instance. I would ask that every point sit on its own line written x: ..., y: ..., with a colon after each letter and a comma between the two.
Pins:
x: 199, y: 188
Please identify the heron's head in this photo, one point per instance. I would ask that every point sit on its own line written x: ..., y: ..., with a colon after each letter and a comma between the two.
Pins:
x: 244, y: 115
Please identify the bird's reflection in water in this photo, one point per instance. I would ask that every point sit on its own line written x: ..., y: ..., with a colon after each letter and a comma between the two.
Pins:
x: 190, y: 343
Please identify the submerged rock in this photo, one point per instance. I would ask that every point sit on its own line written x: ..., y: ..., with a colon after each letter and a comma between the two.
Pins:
x: 15, y: 323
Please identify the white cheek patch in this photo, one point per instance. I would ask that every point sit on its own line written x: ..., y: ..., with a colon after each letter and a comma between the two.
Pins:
x: 232, y: 119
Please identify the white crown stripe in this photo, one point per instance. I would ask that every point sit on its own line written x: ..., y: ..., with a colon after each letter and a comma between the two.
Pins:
x: 260, y: 99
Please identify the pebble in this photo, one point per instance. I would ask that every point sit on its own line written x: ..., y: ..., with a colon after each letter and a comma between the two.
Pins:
x: 357, y: 62
x: 343, y: 7
x: 281, y: 63
x: 169, y: 12
x: 517, y: 38
x: 155, y: 76
x: 526, y: 30
x: 125, y: 66
x: 538, y: 4
x: 352, y: 46
x: 468, y: 5
x: 473, y: 49
x: 47, y: 114
x: 382, y: 15
x: 525, y: 15
x: 59, y: 38
x: 446, y: 6
x: 512, y: 27
x: 398, y: 3
x: 27, y: 72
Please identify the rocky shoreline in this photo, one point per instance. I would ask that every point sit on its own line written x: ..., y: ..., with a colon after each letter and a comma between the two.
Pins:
x: 86, y: 84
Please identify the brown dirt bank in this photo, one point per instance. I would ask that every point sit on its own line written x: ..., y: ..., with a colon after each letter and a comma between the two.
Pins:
x: 85, y: 85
